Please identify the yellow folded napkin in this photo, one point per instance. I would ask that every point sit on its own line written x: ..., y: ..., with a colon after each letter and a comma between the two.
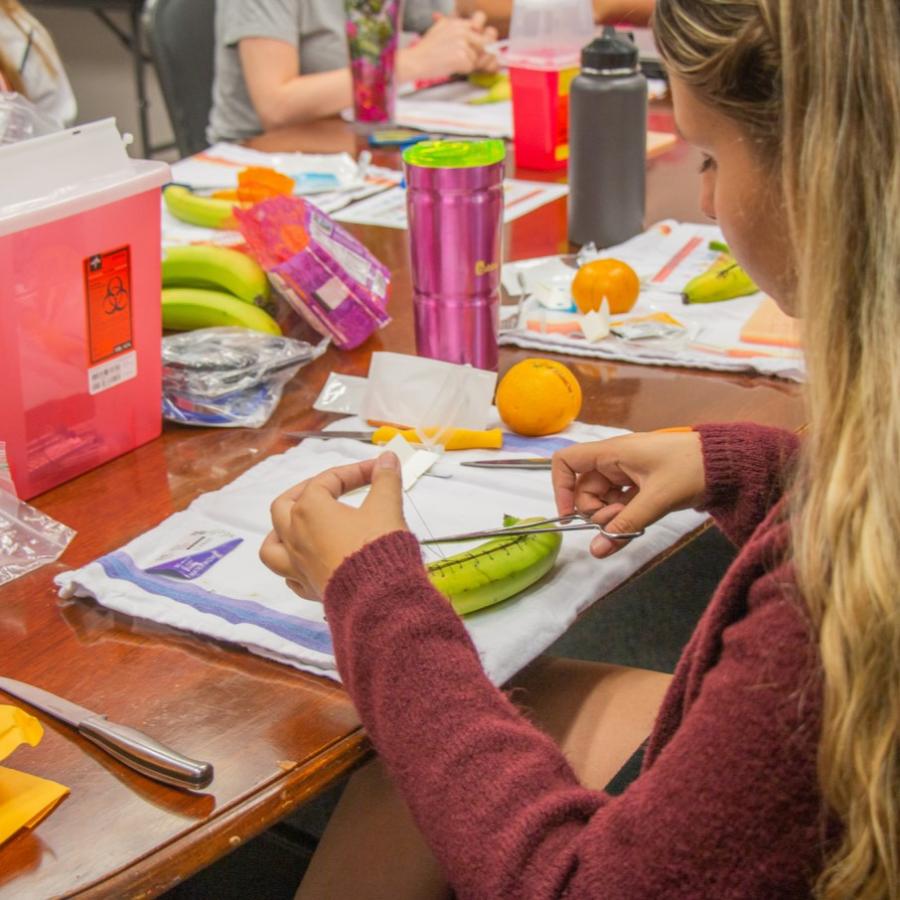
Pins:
x: 24, y: 799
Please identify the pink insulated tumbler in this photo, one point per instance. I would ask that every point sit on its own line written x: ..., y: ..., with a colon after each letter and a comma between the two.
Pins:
x: 454, y: 198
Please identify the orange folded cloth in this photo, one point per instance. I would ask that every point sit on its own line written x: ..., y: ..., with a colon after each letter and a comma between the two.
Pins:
x: 24, y: 799
x: 769, y: 325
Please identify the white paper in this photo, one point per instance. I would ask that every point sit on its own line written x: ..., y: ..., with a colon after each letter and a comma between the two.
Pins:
x: 445, y: 109
x: 176, y: 233
x: 420, y: 393
x: 414, y: 463
x: 388, y: 209
x: 218, y: 167
x: 595, y: 325
x: 666, y: 257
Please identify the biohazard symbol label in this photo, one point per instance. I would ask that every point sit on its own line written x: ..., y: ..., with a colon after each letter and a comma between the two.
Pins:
x: 107, y: 288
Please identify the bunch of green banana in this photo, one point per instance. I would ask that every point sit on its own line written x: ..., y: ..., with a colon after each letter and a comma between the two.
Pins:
x: 496, y: 570
x: 723, y: 280
x: 204, y: 286
x: 217, y: 268
x: 195, y: 209
x: 184, y: 309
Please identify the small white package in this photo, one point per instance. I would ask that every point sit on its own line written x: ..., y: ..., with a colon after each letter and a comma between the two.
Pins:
x: 427, y: 393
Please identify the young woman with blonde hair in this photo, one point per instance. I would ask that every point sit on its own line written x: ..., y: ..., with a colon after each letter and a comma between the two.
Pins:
x: 30, y: 65
x: 773, y: 765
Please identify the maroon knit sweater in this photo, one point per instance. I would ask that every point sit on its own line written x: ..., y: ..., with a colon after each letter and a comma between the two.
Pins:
x: 727, y: 805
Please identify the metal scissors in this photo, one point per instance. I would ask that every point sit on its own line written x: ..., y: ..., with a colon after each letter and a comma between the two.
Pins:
x: 574, y: 522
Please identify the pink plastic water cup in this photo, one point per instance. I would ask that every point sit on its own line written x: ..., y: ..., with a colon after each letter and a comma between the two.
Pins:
x: 373, y: 27
x: 454, y: 202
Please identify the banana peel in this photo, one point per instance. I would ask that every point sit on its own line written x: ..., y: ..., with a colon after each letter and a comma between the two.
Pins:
x: 187, y: 308
x: 496, y: 570
x: 215, y: 268
x: 499, y: 89
x: 196, y: 209
x: 723, y: 280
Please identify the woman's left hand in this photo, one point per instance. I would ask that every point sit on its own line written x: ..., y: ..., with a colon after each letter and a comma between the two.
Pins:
x: 313, y: 532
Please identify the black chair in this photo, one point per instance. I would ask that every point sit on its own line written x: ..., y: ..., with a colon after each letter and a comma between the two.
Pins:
x: 182, y: 40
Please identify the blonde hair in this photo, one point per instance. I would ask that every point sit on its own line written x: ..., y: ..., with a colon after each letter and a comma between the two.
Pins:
x: 816, y: 84
x: 28, y: 25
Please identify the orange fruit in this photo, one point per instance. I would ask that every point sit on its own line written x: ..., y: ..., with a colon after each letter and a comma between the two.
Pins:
x: 538, y: 396
x: 610, y: 278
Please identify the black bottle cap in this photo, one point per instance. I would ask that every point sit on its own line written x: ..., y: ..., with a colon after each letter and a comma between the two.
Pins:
x: 610, y: 53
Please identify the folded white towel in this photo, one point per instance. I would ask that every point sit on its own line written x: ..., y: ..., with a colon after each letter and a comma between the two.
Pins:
x: 199, y: 570
x: 666, y: 257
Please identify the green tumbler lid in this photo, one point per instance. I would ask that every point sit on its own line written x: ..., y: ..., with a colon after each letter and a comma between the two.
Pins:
x: 455, y: 154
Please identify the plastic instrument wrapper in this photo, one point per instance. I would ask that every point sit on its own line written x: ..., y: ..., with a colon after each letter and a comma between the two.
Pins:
x: 229, y: 377
x: 28, y: 538
x: 325, y: 274
x: 20, y: 119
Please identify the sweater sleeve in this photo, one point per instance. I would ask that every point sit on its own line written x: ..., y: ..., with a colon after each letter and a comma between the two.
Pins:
x: 747, y: 467
x: 500, y: 806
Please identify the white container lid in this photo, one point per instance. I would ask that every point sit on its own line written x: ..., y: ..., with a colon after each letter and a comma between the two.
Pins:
x: 548, y: 34
x: 49, y: 178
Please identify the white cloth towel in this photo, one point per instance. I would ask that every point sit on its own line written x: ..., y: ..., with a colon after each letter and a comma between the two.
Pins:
x: 665, y: 257
x: 220, y: 589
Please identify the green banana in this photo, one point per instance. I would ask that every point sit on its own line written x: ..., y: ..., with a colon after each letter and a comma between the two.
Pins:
x: 207, y: 212
x: 495, y: 570
x: 484, y: 79
x: 219, y: 268
x: 723, y: 280
x: 498, y: 91
x: 184, y: 309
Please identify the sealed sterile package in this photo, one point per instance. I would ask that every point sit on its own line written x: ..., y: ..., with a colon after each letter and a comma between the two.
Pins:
x: 229, y: 376
x: 342, y: 394
x: 325, y: 274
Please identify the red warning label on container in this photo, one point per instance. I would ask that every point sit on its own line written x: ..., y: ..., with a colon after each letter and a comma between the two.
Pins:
x: 107, y: 290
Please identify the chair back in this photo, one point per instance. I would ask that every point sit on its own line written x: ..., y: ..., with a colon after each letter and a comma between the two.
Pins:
x: 182, y: 41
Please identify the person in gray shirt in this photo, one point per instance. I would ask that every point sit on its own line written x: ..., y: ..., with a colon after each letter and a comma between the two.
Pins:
x: 282, y: 62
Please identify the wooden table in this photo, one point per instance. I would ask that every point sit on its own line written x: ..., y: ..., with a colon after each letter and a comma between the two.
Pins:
x: 276, y: 736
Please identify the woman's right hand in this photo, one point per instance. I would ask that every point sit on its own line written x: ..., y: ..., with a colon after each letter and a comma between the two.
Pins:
x: 627, y: 483
x: 452, y: 46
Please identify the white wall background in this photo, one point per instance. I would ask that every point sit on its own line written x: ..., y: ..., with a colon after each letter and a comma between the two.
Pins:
x: 100, y: 69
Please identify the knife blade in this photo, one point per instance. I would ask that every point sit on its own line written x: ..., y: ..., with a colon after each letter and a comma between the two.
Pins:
x: 135, y: 749
x: 538, y: 462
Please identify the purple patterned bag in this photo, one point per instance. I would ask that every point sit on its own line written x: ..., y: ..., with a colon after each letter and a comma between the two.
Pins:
x: 325, y: 274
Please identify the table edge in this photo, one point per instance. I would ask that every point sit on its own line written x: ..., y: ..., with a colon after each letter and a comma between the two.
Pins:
x: 214, y: 838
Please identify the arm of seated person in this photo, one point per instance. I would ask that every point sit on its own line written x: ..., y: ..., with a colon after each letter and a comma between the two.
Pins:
x: 280, y: 94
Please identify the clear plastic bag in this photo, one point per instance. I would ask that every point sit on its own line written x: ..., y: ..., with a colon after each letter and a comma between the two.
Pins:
x: 28, y: 538
x: 20, y: 119
x: 229, y: 377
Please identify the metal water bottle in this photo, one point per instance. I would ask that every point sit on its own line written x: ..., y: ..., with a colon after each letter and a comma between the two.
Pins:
x: 454, y: 201
x: 607, y: 143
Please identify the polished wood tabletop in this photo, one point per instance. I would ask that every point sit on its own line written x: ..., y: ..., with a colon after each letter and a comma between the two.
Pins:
x: 276, y: 736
